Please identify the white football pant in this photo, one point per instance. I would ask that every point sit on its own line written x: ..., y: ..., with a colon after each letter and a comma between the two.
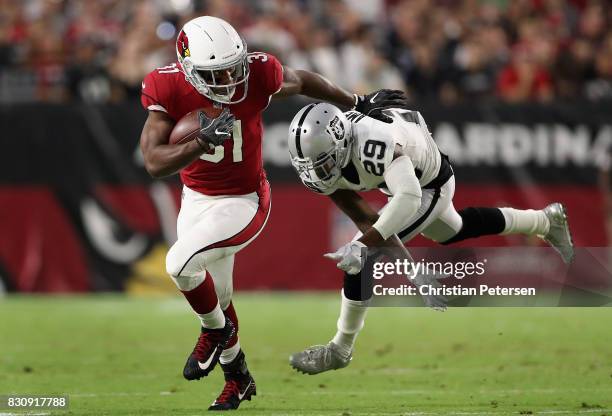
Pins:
x: 211, y: 230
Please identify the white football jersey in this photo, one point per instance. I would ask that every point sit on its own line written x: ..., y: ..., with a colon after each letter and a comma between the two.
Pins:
x: 374, y: 144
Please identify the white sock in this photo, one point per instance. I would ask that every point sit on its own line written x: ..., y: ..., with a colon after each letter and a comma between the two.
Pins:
x: 228, y: 355
x: 350, y: 322
x: 213, y: 319
x: 525, y: 221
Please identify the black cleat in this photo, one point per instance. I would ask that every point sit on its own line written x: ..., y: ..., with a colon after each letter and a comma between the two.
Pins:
x: 239, y: 385
x: 207, y: 350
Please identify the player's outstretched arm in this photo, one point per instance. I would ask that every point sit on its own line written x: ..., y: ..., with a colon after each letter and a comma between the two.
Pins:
x: 162, y: 159
x: 355, y: 207
x: 364, y: 217
x: 311, y: 84
x: 349, y: 256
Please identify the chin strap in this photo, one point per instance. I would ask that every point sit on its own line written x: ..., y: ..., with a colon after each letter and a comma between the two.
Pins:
x: 357, y: 99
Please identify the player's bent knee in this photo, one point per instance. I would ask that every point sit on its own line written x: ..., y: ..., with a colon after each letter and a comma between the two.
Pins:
x: 176, y: 268
x: 174, y: 262
x: 440, y: 232
x: 184, y: 262
x: 355, y: 289
x: 187, y: 283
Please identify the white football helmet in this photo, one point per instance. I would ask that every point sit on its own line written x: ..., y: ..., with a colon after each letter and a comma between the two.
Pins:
x: 320, y: 139
x: 213, y: 57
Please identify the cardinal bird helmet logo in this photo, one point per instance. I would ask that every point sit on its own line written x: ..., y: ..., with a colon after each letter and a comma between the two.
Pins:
x: 182, y: 45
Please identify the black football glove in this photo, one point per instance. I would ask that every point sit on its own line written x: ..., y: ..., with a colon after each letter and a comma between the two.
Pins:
x: 373, y: 104
x: 214, y: 131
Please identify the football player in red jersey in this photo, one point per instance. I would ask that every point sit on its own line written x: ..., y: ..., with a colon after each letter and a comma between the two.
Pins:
x: 226, y: 197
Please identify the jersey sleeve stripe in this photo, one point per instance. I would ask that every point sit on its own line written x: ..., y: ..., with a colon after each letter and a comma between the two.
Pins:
x: 354, y: 116
x: 149, y: 97
x: 156, y: 107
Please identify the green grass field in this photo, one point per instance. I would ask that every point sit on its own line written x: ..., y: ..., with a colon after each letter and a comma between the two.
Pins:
x: 117, y: 355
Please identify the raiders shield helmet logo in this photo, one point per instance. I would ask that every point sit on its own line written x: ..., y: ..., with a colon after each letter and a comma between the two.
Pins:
x: 336, y: 128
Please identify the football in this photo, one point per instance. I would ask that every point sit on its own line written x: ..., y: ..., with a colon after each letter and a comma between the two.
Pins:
x: 188, y: 127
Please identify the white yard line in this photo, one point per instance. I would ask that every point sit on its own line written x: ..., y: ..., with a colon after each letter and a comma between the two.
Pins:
x: 325, y: 392
x: 115, y: 394
x: 559, y: 412
x: 357, y: 413
x: 24, y: 414
x: 492, y: 413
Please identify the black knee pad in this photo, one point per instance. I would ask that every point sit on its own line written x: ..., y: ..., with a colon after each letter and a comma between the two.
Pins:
x: 477, y: 222
x: 355, y: 288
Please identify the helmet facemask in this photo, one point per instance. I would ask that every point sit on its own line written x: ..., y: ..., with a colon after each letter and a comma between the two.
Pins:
x: 216, y: 82
x: 219, y: 83
x: 323, y: 173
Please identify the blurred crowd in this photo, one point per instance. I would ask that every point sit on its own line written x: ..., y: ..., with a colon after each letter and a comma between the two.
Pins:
x: 448, y: 50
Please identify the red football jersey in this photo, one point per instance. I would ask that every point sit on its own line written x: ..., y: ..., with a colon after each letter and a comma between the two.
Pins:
x: 236, y: 168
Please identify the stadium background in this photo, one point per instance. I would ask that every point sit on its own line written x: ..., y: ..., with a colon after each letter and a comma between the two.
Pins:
x: 518, y: 93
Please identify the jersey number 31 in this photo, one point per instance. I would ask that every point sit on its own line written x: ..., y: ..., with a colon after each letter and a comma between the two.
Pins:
x: 220, y: 150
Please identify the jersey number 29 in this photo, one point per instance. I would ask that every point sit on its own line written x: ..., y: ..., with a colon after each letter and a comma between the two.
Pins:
x: 220, y: 150
x: 374, y: 152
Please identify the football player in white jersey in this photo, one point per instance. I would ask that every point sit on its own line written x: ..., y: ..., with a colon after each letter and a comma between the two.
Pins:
x: 338, y: 154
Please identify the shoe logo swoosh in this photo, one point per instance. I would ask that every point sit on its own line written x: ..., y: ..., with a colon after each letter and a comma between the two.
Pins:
x: 372, y: 99
x: 241, y: 394
x: 207, y: 363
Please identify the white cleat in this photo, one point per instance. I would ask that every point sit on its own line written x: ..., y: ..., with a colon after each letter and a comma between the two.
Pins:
x: 559, y: 236
x: 319, y: 358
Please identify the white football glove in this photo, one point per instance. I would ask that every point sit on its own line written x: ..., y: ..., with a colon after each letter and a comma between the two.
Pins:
x: 348, y: 257
x: 435, y: 302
